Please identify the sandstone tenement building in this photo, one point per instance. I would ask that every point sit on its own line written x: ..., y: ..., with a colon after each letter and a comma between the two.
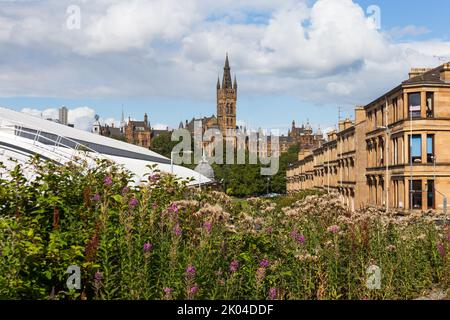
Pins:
x: 395, y: 153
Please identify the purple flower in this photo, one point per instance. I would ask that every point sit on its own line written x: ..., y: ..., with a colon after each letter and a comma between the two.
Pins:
x: 298, y: 237
x: 167, y: 292
x: 234, y: 265
x: 264, y: 263
x: 208, y: 226
x: 448, y: 237
x: 272, y: 293
x: 441, y: 249
x: 192, y: 291
x: 96, y: 197
x: 154, y: 177
x: 108, y: 181
x: 133, y: 202
x: 98, y: 276
x: 177, y: 230
x: 190, y: 271
x: 147, y: 247
x: 125, y: 190
x: 173, y: 208
x: 154, y: 206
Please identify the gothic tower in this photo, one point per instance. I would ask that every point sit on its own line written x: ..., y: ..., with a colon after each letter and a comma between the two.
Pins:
x: 226, y: 101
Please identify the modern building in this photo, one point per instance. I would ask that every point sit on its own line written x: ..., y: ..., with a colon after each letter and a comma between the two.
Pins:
x: 394, y: 154
x: 23, y: 136
x: 63, y: 116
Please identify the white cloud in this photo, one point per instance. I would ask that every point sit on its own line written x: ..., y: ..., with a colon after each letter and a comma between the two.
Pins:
x: 325, y: 52
x: 410, y: 30
x: 160, y: 126
x: 82, y: 117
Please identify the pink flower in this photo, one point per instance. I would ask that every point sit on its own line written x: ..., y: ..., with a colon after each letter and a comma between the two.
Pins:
x: 108, y: 181
x: 272, y: 293
x: 441, y: 249
x: 298, y: 237
x: 125, y: 190
x: 96, y: 197
x: 133, y: 202
x: 192, y: 291
x: 234, y: 265
x: 448, y: 237
x: 154, y: 206
x: 264, y: 263
x: 177, y: 230
x: 167, y: 292
x: 190, y: 271
x: 147, y: 247
x: 269, y: 230
x: 173, y: 208
x: 208, y: 226
x: 98, y: 276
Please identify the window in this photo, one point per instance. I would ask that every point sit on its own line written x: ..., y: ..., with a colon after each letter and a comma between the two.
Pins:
x: 415, y: 148
x: 416, y: 194
x: 395, y: 107
x: 430, y: 194
x: 430, y: 104
x: 414, y: 105
x: 430, y: 148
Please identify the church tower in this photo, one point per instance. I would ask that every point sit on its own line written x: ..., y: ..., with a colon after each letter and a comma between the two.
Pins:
x: 226, y: 101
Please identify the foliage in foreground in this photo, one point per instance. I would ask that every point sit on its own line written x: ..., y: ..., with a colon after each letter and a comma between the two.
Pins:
x: 162, y: 240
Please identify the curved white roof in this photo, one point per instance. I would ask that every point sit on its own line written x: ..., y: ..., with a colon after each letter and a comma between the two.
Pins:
x: 22, y: 135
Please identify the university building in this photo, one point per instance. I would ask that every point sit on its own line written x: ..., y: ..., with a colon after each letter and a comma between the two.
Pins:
x: 394, y: 154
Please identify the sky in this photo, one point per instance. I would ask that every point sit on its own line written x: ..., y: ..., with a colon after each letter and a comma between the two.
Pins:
x: 296, y: 60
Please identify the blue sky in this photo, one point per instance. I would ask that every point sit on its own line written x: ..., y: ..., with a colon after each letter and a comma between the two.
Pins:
x: 169, y: 68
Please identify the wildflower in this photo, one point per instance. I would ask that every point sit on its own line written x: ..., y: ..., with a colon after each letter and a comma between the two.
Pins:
x: 234, y: 265
x: 208, y: 226
x: 441, y: 249
x: 133, y: 202
x: 193, y: 291
x: 177, y: 230
x: 154, y: 177
x: 154, y: 206
x: 167, y: 292
x: 334, y: 229
x: 190, y: 271
x: 148, y: 247
x: 260, y: 274
x: 298, y: 237
x: 173, y: 208
x: 272, y: 293
x: 125, y: 190
x: 269, y: 230
x: 96, y: 197
x: 264, y: 263
x: 98, y: 276
x: 448, y: 237
x: 108, y: 181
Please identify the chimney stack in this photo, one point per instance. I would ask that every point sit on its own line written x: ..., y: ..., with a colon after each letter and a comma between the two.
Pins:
x: 445, y: 72
x: 415, y: 72
x: 360, y: 114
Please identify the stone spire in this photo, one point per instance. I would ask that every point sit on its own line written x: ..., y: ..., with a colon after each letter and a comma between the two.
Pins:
x: 226, y: 81
x: 235, y: 83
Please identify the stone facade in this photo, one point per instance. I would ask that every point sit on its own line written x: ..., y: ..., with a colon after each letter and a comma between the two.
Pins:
x: 394, y: 154
x: 138, y: 132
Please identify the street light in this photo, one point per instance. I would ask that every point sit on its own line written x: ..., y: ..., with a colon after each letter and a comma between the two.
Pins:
x: 177, y: 152
x: 386, y: 182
